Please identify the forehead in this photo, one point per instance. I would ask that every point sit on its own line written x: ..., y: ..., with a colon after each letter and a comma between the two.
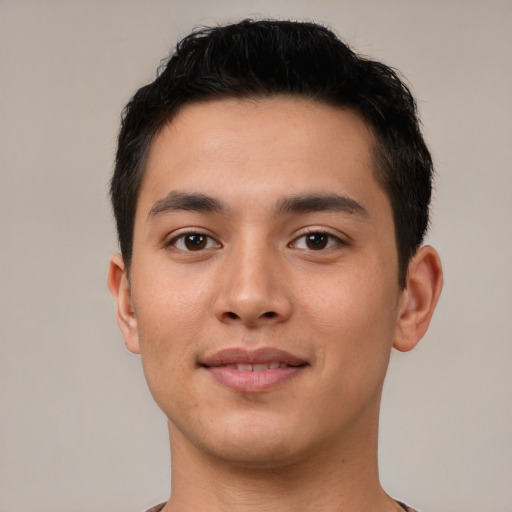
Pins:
x: 256, y: 149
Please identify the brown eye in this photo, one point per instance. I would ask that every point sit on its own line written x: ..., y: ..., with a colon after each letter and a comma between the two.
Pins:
x: 316, y: 241
x: 194, y: 242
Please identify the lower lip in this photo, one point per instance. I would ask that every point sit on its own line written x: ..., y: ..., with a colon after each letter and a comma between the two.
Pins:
x: 251, y: 381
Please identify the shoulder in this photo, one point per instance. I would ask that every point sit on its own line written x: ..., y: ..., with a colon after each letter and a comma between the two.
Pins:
x: 159, y: 507
x: 404, y: 506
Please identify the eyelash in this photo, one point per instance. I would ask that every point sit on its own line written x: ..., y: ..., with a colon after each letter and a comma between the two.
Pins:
x: 181, y: 239
x: 204, y: 241
x: 331, y: 240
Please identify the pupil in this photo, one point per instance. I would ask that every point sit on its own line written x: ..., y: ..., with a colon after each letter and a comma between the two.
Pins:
x: 195, y: 242
x: 316, y: 240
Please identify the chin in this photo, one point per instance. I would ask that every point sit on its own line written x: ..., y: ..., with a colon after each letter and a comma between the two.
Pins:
x: 250, y: 442
x: 257, y: 454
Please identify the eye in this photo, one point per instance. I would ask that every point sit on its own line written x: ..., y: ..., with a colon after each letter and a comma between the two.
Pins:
x: 194, y: 242
x: 316, y: 241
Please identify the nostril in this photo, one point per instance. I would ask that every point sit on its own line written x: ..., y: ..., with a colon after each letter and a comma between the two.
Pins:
x: 231, y: 315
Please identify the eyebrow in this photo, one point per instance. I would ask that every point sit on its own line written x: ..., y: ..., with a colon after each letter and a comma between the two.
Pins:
x: 304, y: 203
x: 176, y: 200
x: 321, y: 202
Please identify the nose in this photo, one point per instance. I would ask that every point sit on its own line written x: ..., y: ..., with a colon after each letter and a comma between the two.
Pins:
x: 253, y: 290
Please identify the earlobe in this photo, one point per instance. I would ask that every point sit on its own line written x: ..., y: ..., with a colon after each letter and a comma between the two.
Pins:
x: 119, y: 286
x: 419, y: 298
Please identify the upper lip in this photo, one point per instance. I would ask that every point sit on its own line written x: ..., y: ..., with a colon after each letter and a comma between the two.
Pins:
x: 257, y: 356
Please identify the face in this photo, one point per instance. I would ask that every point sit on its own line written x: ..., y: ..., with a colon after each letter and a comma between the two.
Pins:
x: 263, y: 291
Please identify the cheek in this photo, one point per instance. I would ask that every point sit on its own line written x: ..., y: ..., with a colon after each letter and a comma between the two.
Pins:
x: 351, y: 323
x: 168, y: 353
x: 171, y: 311
x: 169, y: 302
x: 354, y: 317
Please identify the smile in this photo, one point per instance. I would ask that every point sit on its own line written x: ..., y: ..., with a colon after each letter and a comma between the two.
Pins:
x: 253, y: 371
x: 259, y: 367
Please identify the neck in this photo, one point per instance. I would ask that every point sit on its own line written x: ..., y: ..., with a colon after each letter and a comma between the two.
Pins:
x: 339, y: 476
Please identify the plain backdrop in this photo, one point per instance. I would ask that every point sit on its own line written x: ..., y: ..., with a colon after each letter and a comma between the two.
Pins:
x: 79, y: 430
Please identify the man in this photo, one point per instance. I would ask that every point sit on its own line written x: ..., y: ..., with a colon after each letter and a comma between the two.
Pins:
x: 271, y: 193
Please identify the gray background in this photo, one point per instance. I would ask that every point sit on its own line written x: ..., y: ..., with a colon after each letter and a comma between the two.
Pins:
x: 79, y: 431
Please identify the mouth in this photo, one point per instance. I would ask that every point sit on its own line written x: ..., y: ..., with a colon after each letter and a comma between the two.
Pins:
x: 257, y: 367
x: 253, y: 371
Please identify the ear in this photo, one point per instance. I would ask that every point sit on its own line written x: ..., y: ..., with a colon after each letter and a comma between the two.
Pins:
x: 119, y: 286
x: 419, y: 298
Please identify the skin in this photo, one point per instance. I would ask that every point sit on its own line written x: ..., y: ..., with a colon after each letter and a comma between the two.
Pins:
x: 256, y: 280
